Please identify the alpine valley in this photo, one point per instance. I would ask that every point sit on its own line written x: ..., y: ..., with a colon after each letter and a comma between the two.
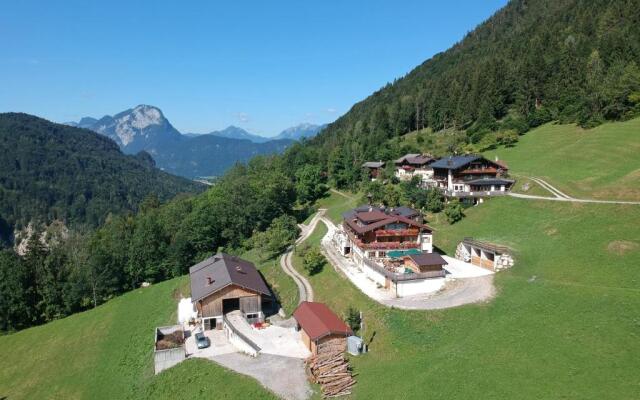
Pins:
x: 192, y: 155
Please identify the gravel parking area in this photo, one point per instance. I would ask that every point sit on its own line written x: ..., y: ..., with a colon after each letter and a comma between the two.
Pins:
x: 283, y: 375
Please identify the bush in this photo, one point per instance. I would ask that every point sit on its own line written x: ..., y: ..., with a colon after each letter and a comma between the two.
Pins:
x: 313, y: 261
x: 353, y: 319
x: 453, y: 210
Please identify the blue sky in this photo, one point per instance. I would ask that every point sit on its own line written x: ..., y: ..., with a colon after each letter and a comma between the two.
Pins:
x: 261, y: 65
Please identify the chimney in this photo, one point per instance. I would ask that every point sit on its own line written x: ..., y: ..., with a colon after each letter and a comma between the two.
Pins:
x: 209, y: 280
x: 497, y: 158
x: 450, y: 161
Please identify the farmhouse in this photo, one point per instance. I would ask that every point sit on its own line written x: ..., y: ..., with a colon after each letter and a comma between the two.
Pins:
x: 373, y: 231
x: 374, y: 169
x: 225, y: 283
x: 471, y: 176
x: 411, y: 165
x: 321, y: 329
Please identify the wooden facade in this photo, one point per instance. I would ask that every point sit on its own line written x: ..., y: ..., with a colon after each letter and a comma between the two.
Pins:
x: 325, y: 344
x: 214, y: 304
x: 409, y: 263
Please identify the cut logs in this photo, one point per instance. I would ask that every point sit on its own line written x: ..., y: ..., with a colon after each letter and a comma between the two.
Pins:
x: 331, y: 370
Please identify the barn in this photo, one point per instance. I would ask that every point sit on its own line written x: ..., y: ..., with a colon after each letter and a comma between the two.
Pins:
x: 225, y: 283
x: 321, y: 329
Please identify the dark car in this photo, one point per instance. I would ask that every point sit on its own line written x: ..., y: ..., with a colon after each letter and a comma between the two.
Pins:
x: 202, y: 341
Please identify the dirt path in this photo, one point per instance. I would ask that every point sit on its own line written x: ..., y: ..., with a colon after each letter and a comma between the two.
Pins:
x: 342, y: 194
x: 455, y: 293
x: 531, y: 197
x: 305, y: 290
x: 554, y: 191
x: 561, y: 196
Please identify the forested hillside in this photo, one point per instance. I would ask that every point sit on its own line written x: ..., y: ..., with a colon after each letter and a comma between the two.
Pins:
x: 532, y: 62
x: 57, y: 172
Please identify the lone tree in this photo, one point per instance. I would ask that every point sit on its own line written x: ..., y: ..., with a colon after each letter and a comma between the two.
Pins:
x: 313, y: 261
x: 353, y: 318
x: 453, y: 211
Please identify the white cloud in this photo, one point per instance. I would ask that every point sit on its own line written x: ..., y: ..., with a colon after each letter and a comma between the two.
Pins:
x: 243, y: 117
x: 331, y: 110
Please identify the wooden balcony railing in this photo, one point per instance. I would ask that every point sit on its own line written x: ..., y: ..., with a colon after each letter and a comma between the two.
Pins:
x: 398, y: 232
x: 396, y: 277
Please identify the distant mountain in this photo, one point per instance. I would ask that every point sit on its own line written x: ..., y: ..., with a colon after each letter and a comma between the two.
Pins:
x: 57, y: 172
x: 190, y: 155
x: 300, y: 131
x: 210, y: 155
x: 233, y: 132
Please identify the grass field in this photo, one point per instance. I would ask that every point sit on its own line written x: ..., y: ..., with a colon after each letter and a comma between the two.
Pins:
x: 564, y: 325
x: 599, y: 163
x: 107, y: 353
x: 337, y: 203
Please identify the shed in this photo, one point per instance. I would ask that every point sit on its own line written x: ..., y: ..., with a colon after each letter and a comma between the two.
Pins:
x: 424, y: 262
x: 321, y: 329
x: 484, y: 254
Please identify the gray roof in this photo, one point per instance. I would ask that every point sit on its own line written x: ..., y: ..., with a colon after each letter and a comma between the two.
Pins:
x: 403, y: 211
x: 373, y: 164
x: 224, y: 270
x: 455, y: 162
x: 416, y: 159
x: 490, y: 181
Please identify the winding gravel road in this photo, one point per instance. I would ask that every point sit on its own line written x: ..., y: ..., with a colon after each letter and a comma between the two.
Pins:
x: 305, y: 290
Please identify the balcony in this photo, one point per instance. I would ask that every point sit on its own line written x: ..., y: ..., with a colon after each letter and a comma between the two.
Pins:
x: 383, y: 245
x: 398, y: 232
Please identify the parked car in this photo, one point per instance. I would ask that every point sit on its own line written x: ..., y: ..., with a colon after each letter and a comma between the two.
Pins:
x: 202, y: 341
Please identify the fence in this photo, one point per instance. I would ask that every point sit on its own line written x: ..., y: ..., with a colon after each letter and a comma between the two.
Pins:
x: 395, y: 277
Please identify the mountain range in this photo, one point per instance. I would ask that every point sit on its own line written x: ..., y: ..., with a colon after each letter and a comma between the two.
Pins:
x: 145, y: 128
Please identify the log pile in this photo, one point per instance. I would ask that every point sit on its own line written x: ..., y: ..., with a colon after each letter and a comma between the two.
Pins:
x: 332, y: 372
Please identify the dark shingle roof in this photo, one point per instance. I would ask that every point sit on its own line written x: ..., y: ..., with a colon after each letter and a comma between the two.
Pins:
x: 428, y: 259
x: 490, y: 181
x: 455, y: 162
x: 318, y: 321
x: 224, y: 270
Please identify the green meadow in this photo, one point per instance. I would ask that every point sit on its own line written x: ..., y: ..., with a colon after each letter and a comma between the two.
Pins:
x: 565, y: 323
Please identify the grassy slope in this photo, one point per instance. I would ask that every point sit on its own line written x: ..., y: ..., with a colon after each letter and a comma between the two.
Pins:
x: 601, y: 163
x: 107, y: 353
x: 570, y: 333
x: 565, y: 322
x: 281, y: 283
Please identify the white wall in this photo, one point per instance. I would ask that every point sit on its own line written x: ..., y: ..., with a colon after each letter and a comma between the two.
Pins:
x: 408, y: 288
x: 374, y: 276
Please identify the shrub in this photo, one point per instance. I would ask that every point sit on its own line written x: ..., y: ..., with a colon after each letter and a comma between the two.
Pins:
x: 313, y: 261
x: 453, y: 211
x: 353, y: 318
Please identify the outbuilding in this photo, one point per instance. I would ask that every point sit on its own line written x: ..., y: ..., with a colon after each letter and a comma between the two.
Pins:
x: 225, y: 283
x: 321, y: 329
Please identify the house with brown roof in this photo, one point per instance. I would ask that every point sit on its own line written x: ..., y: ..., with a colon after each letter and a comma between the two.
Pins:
x: 371, y: 232
x: 412, y: 165
x: 225, y: 283
x: 321, y: 329
x: 374, y: 169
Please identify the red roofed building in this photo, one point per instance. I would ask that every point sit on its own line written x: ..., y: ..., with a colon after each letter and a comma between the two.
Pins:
x: 320, y: 327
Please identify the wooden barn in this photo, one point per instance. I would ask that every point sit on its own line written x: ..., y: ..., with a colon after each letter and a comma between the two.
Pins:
x: 321, y: 329
x: 225, y: 283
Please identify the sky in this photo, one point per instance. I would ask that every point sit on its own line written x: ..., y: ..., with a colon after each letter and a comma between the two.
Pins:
x: 260, y: 65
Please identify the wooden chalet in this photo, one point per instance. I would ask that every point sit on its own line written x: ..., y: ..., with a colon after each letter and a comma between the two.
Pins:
x: 373, y: 231
x: 225, y: 283
x: 411, y: 165
x: 374, y: 168
x: 471, y: 176
x: 321, y: 329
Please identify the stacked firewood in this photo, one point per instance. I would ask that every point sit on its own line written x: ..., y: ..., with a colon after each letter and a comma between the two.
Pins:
x: 332, y: 372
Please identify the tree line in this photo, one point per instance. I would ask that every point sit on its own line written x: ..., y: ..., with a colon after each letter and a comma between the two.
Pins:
x: 250, y: 206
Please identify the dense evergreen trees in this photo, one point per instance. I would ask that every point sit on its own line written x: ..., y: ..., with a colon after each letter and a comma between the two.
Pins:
x: 534, y: 61
x: 57, y: 172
